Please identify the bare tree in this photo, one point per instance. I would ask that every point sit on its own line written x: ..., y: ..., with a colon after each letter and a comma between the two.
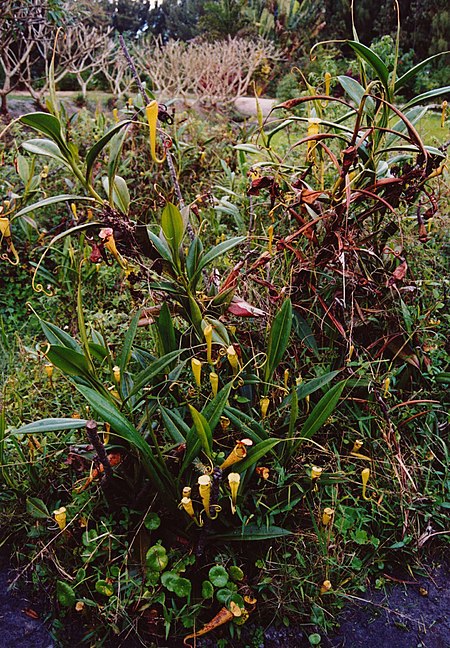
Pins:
x: 117, y: 72
x: 23, y: 25
x: 207, y: 71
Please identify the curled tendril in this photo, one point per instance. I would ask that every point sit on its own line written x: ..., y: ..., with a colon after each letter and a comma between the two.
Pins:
x: 217, y: 509
x: 12, y: 249
x: 237, y: 383
x: 203, y: 468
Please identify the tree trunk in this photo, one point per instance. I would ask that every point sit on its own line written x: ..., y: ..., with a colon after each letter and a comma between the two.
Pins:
x: 4, y: 105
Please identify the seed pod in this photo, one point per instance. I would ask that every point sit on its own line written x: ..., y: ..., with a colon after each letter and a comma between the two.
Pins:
x: 270, y: 241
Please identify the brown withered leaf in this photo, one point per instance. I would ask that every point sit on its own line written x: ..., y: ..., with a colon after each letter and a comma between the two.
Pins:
x: 398, y: 274
x: 264, y: 182
x: 309, y: 197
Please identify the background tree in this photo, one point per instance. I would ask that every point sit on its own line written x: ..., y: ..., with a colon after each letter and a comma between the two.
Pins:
x: 223, y: 18
x: 25, y: 27
x: 176, y: 20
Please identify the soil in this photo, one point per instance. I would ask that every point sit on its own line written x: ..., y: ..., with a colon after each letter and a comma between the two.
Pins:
x: 18, y: 627
x: 404, y: 616
x: 411, y: 614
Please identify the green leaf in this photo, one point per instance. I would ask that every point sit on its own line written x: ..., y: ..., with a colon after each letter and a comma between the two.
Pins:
x: 207, y: 589
x: 49, y: 125
x: 70, y: 362
x: 65, y: 594
x: 55, y: 335
x: 410, y: 74
x: 246, y: 424
x: 413, y: 116
x: 307, y: 388
x: 203, y: 430
x: 94, y: 152
x: 23, y: 168
x: 278, y: 339
x: 152, y: 521
x: 160, y: 245
x: 115, y: 150
x: 98, y: 351
x: 215, y: 252
x: 356, y: 92
x: 37, y: 509
x: 123, y: 428
x: 45, y: 147
x: 166, y: 331
x: 176, y: 584
x: 174, y: 424
x: 255, y: 454
x: 253, y: 532
x: 103, y: 587
x: 322, y: 411
x: 156, y: 558
x: 212, y: 413
x: 52, y: 201
x: 52, y: 425
x: 373, y: 60
x: 426, y: 96
x: 155, y: 369
x: 119, y: 195
x: 172, y: 226
x: 218, y: 576
x: 194, y: 254
x: 304, y: 333
x: 128, y: 342
x: 236, y: 573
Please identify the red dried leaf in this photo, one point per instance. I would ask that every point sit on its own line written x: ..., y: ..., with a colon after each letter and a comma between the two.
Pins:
x: 242, y: 308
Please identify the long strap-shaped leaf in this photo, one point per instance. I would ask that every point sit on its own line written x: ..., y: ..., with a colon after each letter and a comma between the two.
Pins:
x: 278, y: 339
x: 124, y: 429
x: 212, y: 413
x: 322, y: 411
